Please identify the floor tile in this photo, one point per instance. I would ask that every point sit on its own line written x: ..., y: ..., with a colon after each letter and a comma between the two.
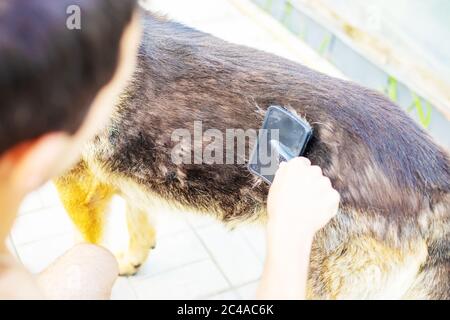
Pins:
x: 173, y: 251
x: 200, y: 220
x: 31, y: 203
x: 40, y: 225
x: 248, y: 292
x: 10, y: 246
x: 227, y: 295
x: 38, y: 255
x: 168, y: 223
x: 123, y: 290
x: 232, y: 254
x: 49, y: 195
x: 189, y: 282
x: 115, y: 235
x: 176, y: 10
x: 256, y: 237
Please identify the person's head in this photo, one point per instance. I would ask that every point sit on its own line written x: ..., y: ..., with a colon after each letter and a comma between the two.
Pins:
x: 63, y: 64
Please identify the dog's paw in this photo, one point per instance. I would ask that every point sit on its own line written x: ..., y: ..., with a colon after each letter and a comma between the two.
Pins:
x: 129, y: 263
x: 141, y: 243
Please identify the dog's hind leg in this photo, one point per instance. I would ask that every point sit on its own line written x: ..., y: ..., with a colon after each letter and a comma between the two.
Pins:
x: 142, y: 239
x: 86, y: 200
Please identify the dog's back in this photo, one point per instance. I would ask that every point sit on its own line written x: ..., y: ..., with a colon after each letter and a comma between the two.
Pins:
x: 391, y: 238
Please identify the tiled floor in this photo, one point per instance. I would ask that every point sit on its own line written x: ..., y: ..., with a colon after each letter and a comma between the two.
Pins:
x: 195, y: 257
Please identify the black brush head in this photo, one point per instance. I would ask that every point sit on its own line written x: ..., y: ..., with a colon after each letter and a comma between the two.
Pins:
x: 283, y: 136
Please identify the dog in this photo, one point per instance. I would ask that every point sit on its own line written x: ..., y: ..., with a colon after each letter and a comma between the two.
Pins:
x: 391, y: 237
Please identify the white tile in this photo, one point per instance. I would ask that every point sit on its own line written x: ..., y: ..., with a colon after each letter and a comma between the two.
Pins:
x: 194, y: 12
x: 115, y: 234
x: 232, y: 253
x: 241, y: 31
x: 31, y: 203
x: 10, y: 246
x: 199, y: 220
x: 248, y: 292
x: 123, y: 290
x: 40, y: 225
x: 168, y: 223
x: 227, y: 295
x: 39, y: 255
x: 256, y: 237
x: 173, y: 251
x: 189, y: 282
x: 49, y: 195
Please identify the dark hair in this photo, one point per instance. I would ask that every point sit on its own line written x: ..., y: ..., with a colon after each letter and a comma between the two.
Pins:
x: 49, y: 74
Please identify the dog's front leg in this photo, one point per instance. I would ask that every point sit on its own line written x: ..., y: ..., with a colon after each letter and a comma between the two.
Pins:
x: 142, y: 240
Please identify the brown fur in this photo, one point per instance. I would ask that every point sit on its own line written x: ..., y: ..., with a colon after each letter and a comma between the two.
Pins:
x: 391, y: 237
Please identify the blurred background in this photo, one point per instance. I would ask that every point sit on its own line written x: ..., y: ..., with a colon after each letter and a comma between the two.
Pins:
x: 399, y: 47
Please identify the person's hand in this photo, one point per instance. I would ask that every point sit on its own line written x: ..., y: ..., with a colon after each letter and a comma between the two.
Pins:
x: 301, y: 199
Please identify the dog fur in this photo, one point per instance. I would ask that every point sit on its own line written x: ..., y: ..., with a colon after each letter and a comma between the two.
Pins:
x: 391, y: 237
